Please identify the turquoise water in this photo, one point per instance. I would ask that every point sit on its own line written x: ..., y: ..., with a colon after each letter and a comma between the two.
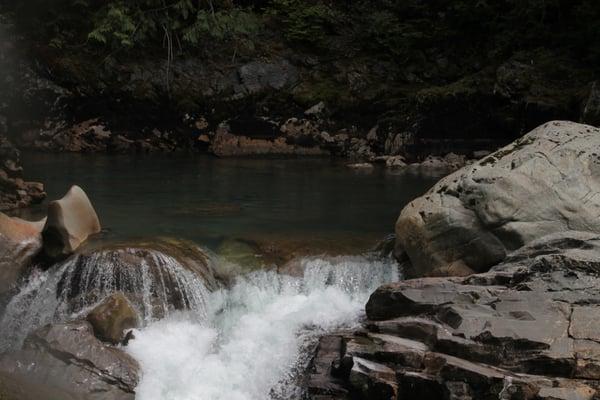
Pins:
x: 206, y: 199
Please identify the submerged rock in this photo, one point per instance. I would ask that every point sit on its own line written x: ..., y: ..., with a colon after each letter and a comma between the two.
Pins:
x: 524, y: 330
x: 66, y: 361
x: 545, y: 182
x: 112, y: 317
x: 71, y: 220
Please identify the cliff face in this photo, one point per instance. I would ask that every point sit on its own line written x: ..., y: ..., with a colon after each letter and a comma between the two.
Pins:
x: 398, y: 79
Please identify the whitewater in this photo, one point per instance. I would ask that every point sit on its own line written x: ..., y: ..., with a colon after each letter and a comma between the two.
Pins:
x: 255, y: 336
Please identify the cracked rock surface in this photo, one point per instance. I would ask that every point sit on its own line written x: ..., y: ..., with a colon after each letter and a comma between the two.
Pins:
x: 547, y: 181
x: 66, y: 361
x: 527, y: 329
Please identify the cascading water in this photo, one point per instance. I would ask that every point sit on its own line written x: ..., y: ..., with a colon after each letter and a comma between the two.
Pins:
x: 156, y: 284
x: 198, y: 340
x: 258, y: 332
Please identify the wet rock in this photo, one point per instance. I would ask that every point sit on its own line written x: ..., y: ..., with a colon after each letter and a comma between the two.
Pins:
x: 157, y: 278
x: 372, y: 380
x: 71, y: 220
x: 111, y: 318
x: 473, y: 218
x: 237, y: 257
x: 68, y: 359
x: 20, y: 241
x: 322, y: 380
x: 523, y: 330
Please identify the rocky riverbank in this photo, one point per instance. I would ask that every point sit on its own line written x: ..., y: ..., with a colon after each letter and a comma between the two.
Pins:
x: 506, y: 253
x: 276, y: 96
x: 523, y: 330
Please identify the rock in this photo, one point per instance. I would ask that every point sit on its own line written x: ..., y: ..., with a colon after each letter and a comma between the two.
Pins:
x: 372, y: 134
x: 67, y: 359
x: 481, y: 153
x: 14, y: 192
x: 360, y: 166
x: 373, y: 380
x: 316, y: 110
x: 20, y: 242
x: 112, y: 317
x: 237, y: 257
x: 259, y: 76
x: 359, y: 149
x: 302, y: 132
x: 523, y: 330
x: 179, y: 272
x: 544, y: 182
x: 71, y: 220
x: 591, y: 109
x: 158, y: 278
x: 225, y: 144
x: 14, y: 387
x: 396, y: 142
x: 395, y: 162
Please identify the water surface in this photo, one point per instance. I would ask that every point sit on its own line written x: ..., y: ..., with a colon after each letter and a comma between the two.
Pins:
x: 206, y: 199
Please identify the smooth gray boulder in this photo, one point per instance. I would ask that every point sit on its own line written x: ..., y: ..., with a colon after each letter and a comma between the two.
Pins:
x: 71, y: 220
x: 547, y: 181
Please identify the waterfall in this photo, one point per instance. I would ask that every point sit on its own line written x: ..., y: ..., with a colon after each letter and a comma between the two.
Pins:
x: 258, y: 333
x: 248, y: 341
x: 156, y: 284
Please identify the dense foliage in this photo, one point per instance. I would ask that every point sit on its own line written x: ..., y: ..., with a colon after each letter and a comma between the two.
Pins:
x: 400, y: 29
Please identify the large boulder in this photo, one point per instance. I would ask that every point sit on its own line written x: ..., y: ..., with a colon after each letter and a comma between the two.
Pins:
x: 524, y: 330
x: 547, y: 181
x: 66, y: 361
x: 112, y: 317
x: 20, y: 241
x: 71, y: 220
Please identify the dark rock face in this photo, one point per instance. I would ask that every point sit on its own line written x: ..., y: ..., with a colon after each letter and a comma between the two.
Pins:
x: 524, y: 330
x: 67, y: 360
x: 14, y: 191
